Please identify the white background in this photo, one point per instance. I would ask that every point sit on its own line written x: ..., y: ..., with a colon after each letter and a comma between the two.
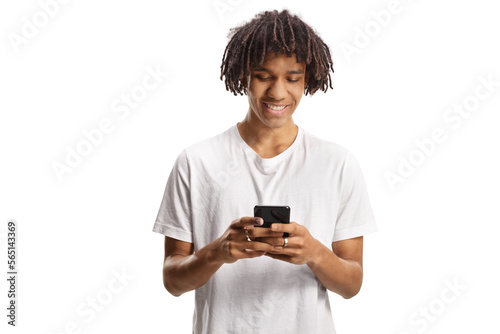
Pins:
x: 440, y: 225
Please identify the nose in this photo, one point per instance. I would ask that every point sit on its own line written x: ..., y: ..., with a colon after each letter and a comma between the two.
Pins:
x: 277, y: 90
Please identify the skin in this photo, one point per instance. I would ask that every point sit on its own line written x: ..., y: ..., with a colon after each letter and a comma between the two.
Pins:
x: 279, y: 81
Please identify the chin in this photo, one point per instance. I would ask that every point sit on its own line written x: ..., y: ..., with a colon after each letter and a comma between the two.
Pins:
x: 276, y: 123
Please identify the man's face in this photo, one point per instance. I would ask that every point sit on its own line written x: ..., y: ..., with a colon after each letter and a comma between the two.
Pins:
x: 275, y: 89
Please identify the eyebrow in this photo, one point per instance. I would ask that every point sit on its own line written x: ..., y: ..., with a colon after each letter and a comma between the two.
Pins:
x: 263, y: 69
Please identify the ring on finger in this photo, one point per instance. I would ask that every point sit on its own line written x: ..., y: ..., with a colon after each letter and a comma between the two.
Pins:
x: 285, y: 243
x: 247, y: 235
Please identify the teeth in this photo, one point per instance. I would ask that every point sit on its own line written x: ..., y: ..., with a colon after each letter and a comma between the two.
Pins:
x: 277, y: 108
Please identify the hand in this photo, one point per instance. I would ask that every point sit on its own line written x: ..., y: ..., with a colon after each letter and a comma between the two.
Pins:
x: 234, y: 245
x: 302, y: 247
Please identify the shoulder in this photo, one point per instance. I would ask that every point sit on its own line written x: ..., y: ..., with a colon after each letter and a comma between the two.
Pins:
x: 209, y: 148
x: 330, y: 157
x: 324, y: 148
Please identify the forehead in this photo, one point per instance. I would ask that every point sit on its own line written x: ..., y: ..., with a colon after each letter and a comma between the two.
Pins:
x: 280, y: 63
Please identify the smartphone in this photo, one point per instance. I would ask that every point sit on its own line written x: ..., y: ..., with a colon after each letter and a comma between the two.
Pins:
x: 272, y: 214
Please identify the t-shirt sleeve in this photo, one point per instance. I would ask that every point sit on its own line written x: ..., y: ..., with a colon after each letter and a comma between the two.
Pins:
x: 174, y: 215
x: 355, y: 216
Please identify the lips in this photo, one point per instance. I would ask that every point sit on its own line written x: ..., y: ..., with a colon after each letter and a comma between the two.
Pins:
x: 275, y: 109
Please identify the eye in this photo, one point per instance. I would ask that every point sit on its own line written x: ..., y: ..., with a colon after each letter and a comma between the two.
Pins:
x: 264, y: 78
x: 293, y: 80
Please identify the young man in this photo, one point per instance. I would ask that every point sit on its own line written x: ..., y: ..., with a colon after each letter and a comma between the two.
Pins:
x: 250, y: 279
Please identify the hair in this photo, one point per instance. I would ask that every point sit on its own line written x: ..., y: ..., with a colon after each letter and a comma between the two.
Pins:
x: 279, y: 33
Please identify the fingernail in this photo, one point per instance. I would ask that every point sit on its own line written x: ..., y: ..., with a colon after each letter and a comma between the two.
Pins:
x: 274, y: 227
x: 258, y: 221
x: 277, y: 247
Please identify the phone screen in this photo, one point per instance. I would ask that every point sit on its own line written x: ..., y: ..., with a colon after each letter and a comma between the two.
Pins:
x: 273, y: 214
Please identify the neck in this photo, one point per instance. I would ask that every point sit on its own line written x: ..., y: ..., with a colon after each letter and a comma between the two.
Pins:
x: 266, y: 141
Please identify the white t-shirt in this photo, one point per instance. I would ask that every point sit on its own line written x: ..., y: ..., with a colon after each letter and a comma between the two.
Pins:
x: 220, y: 179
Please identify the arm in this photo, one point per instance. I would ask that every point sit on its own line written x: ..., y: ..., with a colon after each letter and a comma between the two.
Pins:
x: 340, y: 270
x: 184, y: 270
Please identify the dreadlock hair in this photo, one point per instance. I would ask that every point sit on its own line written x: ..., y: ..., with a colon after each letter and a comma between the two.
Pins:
x: 279, y: 33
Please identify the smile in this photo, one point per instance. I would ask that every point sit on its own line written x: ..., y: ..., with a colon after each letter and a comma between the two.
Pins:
x: 275, y: 108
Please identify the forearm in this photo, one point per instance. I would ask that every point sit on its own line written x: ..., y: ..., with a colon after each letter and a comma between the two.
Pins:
x: 342, y: 276
x: 185, y: 273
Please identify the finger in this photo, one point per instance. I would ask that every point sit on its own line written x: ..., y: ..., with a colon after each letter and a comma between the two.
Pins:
x: 291, y: 228
x: 257, y: 246
x: 284, y: 251
x: 281, y: 257
x: 259, y: 232
x: 274, y: 241
x: 252, y: 253
x: 246, y: 221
